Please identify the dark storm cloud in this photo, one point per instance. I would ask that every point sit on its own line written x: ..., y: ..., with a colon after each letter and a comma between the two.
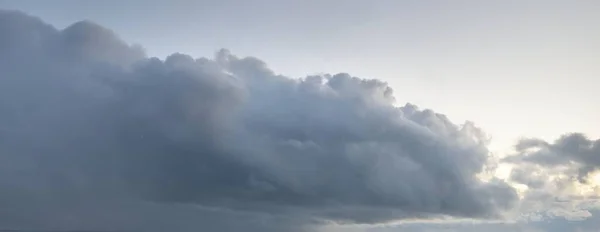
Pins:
x: 578, y: 155
x: 88, y: 118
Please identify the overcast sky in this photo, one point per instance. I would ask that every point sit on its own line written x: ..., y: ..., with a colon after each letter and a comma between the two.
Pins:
x: 517, y: 69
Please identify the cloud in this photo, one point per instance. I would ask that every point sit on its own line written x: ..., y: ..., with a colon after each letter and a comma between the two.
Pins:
x: 545, y: 224
x: 92, y: 129
x: 573, y: 149
x: 558, y: 175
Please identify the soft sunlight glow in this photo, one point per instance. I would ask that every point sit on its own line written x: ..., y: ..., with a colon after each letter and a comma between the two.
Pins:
x: 595, y: 179
x: 592, y: 188
x: 503, y: 171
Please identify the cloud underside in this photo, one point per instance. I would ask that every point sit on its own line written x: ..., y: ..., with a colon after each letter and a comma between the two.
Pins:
x: 93, y: 129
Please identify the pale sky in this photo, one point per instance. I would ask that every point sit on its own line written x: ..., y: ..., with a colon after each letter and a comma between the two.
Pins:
x: 515, y: 68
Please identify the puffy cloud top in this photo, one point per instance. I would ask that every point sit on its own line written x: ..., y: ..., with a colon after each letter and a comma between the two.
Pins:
x: 87, y: 117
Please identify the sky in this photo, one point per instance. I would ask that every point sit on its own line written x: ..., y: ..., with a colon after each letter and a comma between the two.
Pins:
x: 300, y: 115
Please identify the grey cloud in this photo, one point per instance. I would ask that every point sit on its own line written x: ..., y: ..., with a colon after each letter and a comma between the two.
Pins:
x: 589, y: 224
x: 523, y: 175
x: 557, y: 175
x: 89, y: 118
x: 543, y: 224
x: 142, y: 216
x: 570, y: 150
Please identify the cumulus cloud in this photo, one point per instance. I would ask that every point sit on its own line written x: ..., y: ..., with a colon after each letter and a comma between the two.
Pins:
x: 91, y: 126
x: 560, y: 176
x: 573, y: 150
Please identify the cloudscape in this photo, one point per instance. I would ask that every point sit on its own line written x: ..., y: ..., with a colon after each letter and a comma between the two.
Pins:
x: 95, y: 134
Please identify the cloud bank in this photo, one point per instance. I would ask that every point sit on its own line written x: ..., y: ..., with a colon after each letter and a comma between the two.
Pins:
x: 92, y: 131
